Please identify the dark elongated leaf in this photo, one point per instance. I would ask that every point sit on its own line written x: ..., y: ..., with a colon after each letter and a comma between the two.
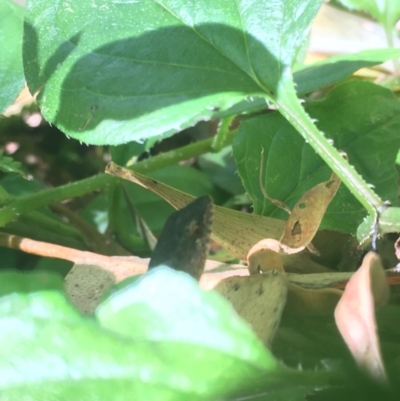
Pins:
x: 334, y: 69
x: 361, y: 118
x: 11, y: 71
x: 161, y: 66
x: 318, y: 75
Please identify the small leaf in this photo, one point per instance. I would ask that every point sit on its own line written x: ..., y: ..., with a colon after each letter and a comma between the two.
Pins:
x: 306, y: 216
x: 8, y: 165
x: 259, y: 300
x: 11, y: 70
x: 355, y: 314
x: 335, y: 69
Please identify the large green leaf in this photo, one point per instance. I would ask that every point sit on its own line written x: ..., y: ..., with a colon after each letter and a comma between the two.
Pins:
x: 334, y: 69
x: 11, y: 71
x: 48, y: 351
x: 174, y: 315
x: 361, y: 118
x: 159, y: 338
x: 111, y: 72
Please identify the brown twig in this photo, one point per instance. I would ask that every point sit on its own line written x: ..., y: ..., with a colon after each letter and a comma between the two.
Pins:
x: 276, y: 202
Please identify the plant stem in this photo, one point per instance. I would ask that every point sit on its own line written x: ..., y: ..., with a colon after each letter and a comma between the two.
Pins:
x: 24, y: 229
x: 177, y: 155
x: 51, y: 224
x: 290, y: 107
x: 223, y: 130
x: 389, y: 39
x: 25, y: 204
x: 389, y: 222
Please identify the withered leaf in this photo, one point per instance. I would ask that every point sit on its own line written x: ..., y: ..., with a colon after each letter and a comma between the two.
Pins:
x: 308, y: 212
x: 258, y: 299
x: 355, y: 314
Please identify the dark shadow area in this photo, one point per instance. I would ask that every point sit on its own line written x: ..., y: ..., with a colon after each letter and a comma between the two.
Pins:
x: 132, y: 78
x: 319, y: 76
x: 36, y: 78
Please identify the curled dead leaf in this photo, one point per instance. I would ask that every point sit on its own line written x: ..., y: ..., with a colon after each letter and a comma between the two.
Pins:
x: 264, y: 256
x: 308, y: 212
x: 311, y: 302
x: 355, y: 315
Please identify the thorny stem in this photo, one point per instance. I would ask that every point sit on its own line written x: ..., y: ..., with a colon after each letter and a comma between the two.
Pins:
x: 276, y: 202
x: 289, y: 106
x: 25, y: 204
x: 223, y: 131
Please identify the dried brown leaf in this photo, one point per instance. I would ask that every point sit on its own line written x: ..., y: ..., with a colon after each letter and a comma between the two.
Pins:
x: 265, y: 256
x: 259, y: 300
x: 311, y: 302
x: 355, y: 314
x: 308, y: 212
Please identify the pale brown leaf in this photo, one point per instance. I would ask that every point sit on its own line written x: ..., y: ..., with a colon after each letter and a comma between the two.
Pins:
x: 355, y: 314
x: 308, y: 212
x: 259, y: 300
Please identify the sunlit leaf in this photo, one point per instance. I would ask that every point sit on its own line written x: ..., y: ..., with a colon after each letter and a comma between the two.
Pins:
x: 11, y: 70
x: 161, y: 66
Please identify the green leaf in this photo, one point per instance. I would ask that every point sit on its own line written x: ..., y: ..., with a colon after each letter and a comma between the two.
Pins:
x: 387, y: 12
x: 221, y: 168
x: 181, y: 312
x: 126, y: 154
x: 161, y: 66
x: 16, y: 185
x: 49, y: 351
x: 57, y: 354
x: 334, y: 69
x: 361, y: 118
x: 11, y: 70
x: 8, y: 165
x: 321, y: 74
x: 20, y: 282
